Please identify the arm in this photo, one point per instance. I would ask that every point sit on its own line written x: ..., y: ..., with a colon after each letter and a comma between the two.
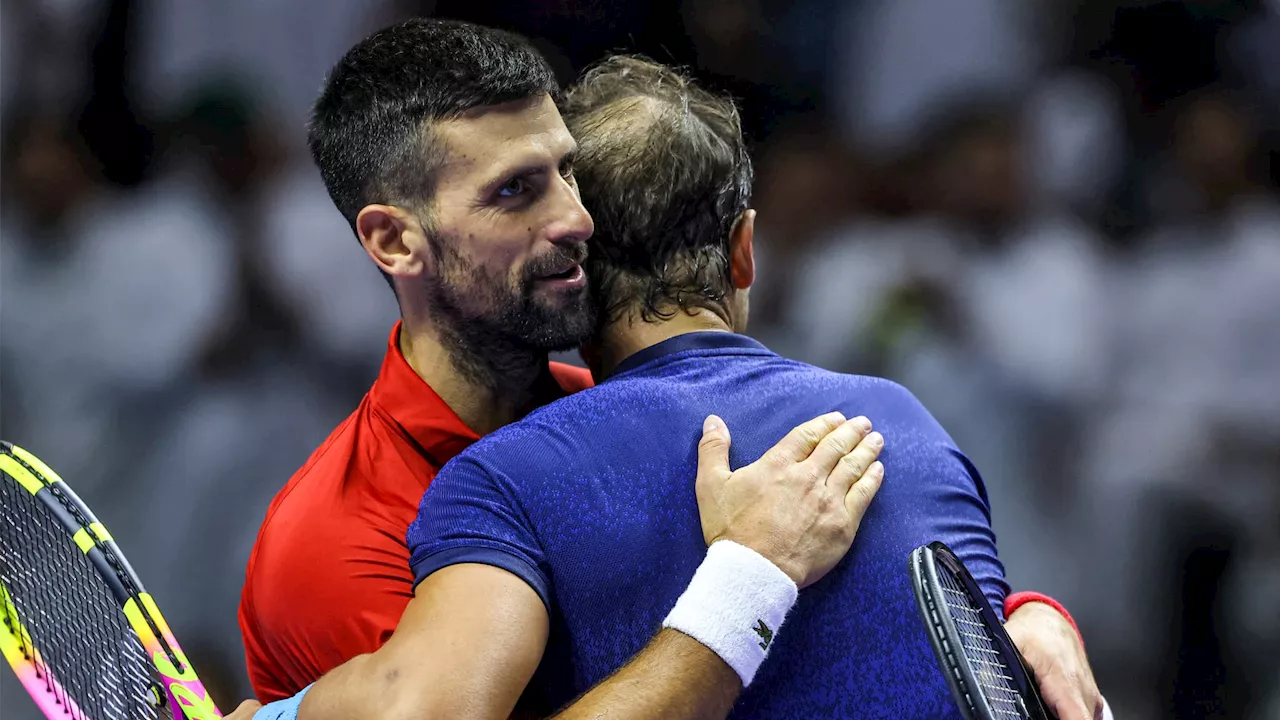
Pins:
x: 465, y: 648
x: 474, y: 634
x: 675, y: 676
x: 471, y: 640
x: 1039, y: 628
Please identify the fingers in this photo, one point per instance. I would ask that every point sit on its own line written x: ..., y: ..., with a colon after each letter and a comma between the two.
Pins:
x: 800, y: 443
x: 1055, y: 656
x: 1065, y: 699
x: 1093, y: 699
x: 245, y: 711
x: 854, y: 462
x: 859, y: 497
x: 836, y: 445
x: 713, y: 453
x: 1090, y: 699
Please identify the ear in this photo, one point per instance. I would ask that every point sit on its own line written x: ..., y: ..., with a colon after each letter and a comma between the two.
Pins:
x: 394, y: 239
x: 742, y: 260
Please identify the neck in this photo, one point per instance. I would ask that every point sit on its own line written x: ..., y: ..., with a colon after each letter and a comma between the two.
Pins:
x: 631, y: 334
x: 486, y: 391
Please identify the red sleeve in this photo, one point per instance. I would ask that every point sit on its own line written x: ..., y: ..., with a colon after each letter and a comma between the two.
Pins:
x: 571, y: 379
x: 318, y: 594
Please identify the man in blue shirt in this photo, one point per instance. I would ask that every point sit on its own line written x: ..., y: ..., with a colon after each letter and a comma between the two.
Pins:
x: 587, y: 499
x: 482, y: 623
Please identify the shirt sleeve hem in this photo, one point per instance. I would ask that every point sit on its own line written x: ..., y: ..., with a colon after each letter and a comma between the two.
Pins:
x: 501, y: 559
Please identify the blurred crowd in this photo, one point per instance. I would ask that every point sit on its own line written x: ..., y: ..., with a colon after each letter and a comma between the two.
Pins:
x: 1056, y: 221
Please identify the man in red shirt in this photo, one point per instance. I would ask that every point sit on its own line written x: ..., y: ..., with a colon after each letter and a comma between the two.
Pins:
x: 441, y: 145
x: 329, y: 576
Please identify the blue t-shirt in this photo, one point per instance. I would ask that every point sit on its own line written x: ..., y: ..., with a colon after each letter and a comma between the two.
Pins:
x: 591, y: 501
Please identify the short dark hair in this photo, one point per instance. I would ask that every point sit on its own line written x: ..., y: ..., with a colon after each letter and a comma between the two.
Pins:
x: 664, y: 170
x: 370, y: 129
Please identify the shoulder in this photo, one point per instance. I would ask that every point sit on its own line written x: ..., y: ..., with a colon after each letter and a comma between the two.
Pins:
x: 887, y: 403
x: 365, y: 463
x: 861, y: 386
x: 335, y: 515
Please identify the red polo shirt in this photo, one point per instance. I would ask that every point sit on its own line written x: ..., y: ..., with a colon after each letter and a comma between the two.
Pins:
x: 329, y: 575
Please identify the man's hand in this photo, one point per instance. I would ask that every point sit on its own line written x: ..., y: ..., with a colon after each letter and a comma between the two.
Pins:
x: 800, y: 504
x: 1056, y: 657
x: 245, y: 711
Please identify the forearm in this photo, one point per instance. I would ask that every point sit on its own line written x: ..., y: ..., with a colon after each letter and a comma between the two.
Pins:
x: 359, y: 688
x: 674, y: 677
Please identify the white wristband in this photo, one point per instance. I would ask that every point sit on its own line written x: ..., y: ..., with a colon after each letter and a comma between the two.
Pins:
x: 735, y: 605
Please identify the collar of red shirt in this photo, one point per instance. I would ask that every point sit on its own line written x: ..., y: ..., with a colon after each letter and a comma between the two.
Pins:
x: 411, y: 403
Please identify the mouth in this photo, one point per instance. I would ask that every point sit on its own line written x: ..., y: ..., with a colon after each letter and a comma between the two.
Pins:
x: 571, y: 277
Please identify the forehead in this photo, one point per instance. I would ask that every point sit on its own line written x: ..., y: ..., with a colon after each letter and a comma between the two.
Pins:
x: 485, y: 140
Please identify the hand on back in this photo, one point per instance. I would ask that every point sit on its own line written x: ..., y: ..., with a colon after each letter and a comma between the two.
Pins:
x: 800, y: 504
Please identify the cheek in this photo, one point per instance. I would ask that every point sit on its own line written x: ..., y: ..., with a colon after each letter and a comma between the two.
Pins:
x: 495, y: 247
x: 499, y: 264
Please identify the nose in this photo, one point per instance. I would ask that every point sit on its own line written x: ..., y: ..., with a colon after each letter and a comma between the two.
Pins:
x: 570, y: 224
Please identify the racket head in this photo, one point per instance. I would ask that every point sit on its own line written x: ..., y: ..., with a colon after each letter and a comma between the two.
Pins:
x: 76, y: 625
x: 961, y: 624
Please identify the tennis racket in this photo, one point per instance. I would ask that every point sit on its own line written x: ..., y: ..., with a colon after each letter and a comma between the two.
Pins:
x: 79, y: 630
x: 983, y: 668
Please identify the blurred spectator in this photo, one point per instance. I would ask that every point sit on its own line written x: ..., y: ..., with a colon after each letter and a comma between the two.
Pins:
x: 1077, y: 149
x: 46, y: 49
x: 1254, y: 49
x: 1195, y: 384
x: 895, y: 61
x: 807, y: 184
x: 106, y: 294
x: 281, y: 49
x: 236, y: 157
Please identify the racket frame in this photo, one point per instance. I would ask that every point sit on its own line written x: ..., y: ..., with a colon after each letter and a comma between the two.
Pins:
x: 944, y: 636
x: 183, y: 694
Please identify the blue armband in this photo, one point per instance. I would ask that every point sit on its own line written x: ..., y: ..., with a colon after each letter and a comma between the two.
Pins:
x: 286, y: 709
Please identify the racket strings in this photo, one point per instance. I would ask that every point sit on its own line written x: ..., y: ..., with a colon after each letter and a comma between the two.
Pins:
x: 78, y: 639
x: 995, y: 680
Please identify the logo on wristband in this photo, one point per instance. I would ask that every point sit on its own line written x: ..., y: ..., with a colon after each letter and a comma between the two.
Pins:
x: 766, y: 635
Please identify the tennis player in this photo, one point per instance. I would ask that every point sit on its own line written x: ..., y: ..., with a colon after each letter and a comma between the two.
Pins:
x: 447, y: 159
x: 583, y: 501
x: 440, y: 143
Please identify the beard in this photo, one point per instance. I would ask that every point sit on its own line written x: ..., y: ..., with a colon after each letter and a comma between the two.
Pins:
x: 492, y: 328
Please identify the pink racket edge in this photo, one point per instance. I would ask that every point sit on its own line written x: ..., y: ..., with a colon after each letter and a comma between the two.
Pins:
x: 187, y: 697
x: 45, y: 690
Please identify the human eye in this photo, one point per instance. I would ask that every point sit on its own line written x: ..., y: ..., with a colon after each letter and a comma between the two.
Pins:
x: 515, y: 187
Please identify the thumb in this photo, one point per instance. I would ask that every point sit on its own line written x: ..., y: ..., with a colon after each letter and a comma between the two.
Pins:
x: 713, y: 452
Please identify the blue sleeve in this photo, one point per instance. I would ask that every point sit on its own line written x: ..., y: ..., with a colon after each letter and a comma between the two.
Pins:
x: 951, y: 494
x: 470, y: 515
x: 971, y: 537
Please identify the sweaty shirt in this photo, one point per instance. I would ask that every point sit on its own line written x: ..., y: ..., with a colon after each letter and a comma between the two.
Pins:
x: 329, y: 575
x: 591, y: 501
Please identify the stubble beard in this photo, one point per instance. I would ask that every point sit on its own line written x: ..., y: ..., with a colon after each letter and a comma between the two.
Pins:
x: 497, y: 336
